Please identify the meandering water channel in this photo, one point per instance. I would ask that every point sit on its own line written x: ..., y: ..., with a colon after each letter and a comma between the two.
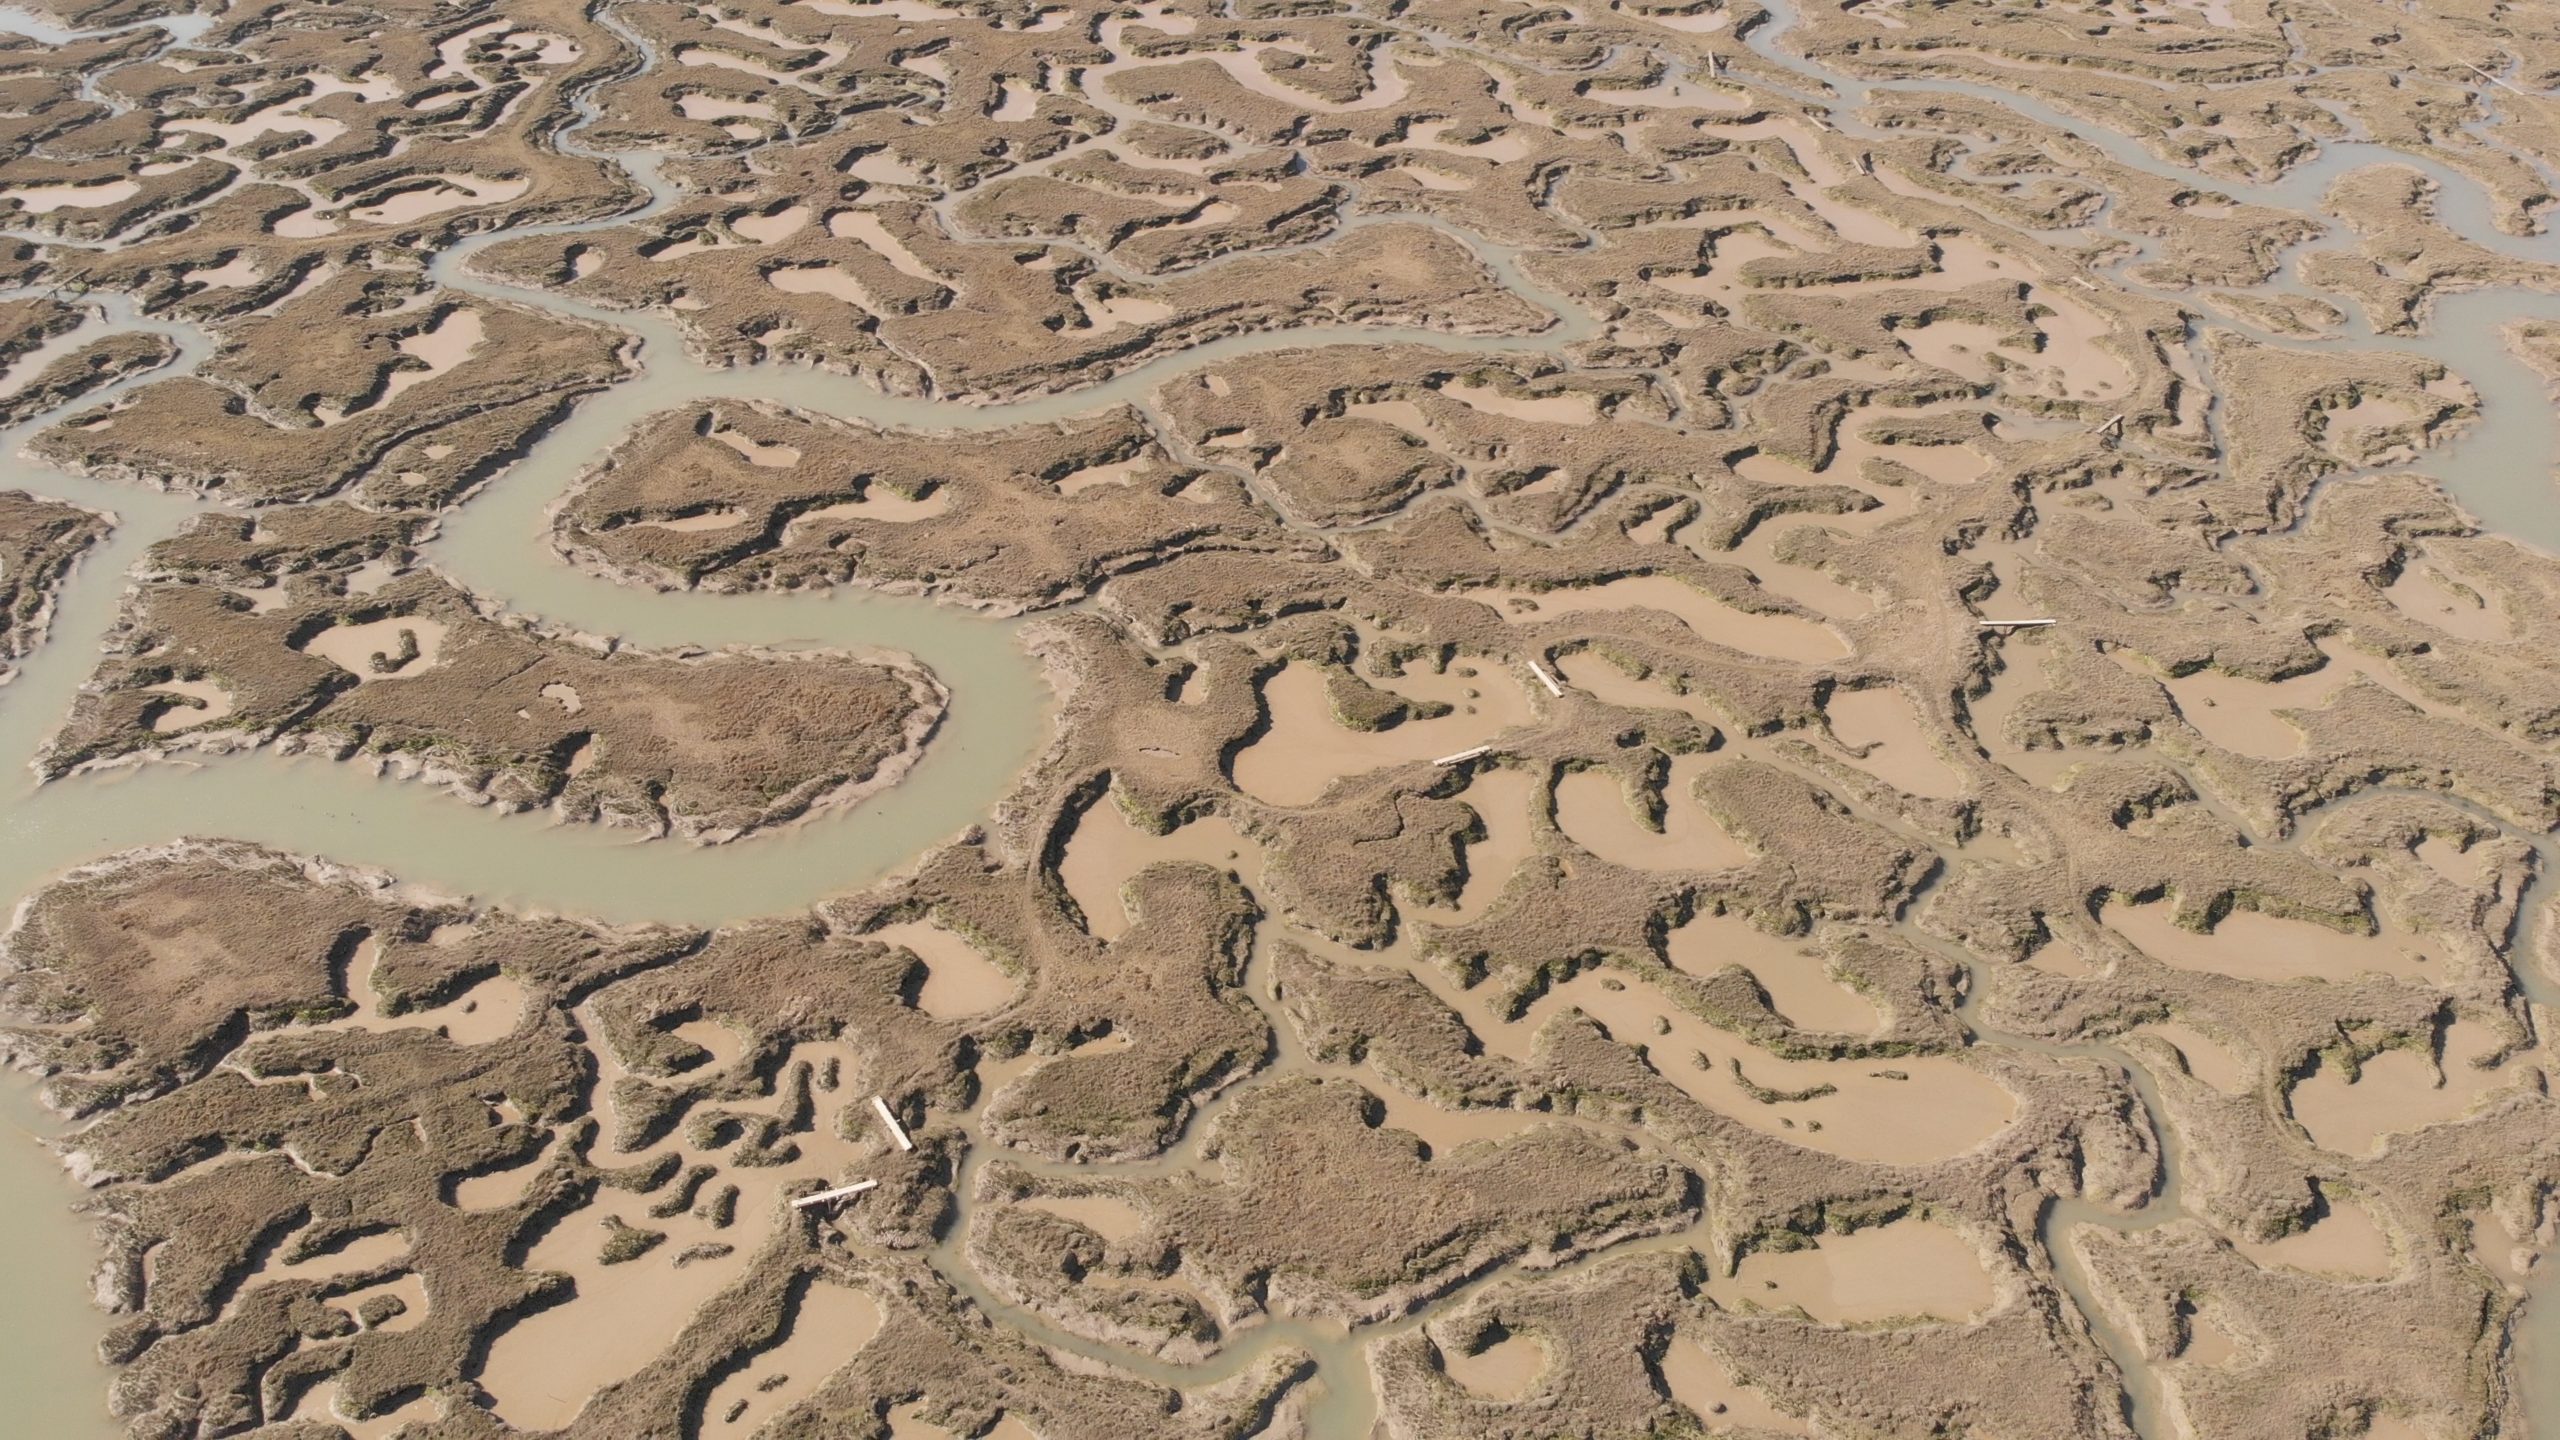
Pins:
x: 495, y: 546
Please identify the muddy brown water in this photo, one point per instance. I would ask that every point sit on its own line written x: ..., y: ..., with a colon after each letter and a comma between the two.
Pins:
x: 495, y: 546
x: 48, y: 1370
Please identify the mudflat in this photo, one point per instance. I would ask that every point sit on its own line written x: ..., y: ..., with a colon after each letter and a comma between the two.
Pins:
x: 1341, y: 721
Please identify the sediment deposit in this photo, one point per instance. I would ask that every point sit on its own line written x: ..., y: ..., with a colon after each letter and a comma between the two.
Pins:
x: 1817, y: 720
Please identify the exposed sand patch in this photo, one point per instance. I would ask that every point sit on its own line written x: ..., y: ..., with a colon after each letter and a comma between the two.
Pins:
x: 1796, y: 975
x: 824, y: 280
x: 1908, y: 1270
x: 1596, y: 674
x: 1015, y: 102
x: 714, y: 107
x: 199, y: 702
x: 2062, y: 959
x: 1850, y: 222
x: 1571, y: 407
x: 497, y: 1189
x: 547, y: 48
x: 1885, y: 724
x: 1388, y: 84
x: 230, y: 275
x: 1593, y: 810
x: 305, y: 224
x: 46, y: 199
x: 1404, y: 415
x: 1204, y: 216
x: 1721, y: 278
x: 721, y: 1042
x: 757, y: 453
x: 1445, y: 1129
x: 1962, y: 346
x: 1110, y: 312
x: 959, y: 981
x: 409, y: 1289
x: 772, y: 229
x: 437, y: 195
x: 2210, y: 1340
x: 885, y: 506
x: 1502, y: 147
x: 286, y: 119
x: 1941, y: 464
x: 2348, y: 1241
x: 2402, y: 1090
x: 1118, y: 472
x: 864, y: 226
x: 2362, y: 430
x: 2240, y: 715
x: 320, y: 1403
x: 879, y: 167
x: 392, y: 649
x: 355, y: 1257
x: 827, y: 1325
x: 1658, y: 527
x: 487, y: 1010
x: 700, y: 242
x: 1305, y: 748
x: 1505, y: 1370
x: 1904, y: 1111
x: 1108, y: 1216
x: 1808, y: 587
x: 2434, y: 595
x: 439, y: 348
x: 1948, y: 465
x: 2076, y: 365
x: 1697, y: 1379
x: 2380, y: 671
x: 2020, y: 429
x: 2500, y: 1250
x: 371, y: 576
x: 2252, y: 946
x: 2462, y: 867
x: 1432, y: 178
x: 1106, y: 852
x: 2207, y: 1059
x: 1780, y: 637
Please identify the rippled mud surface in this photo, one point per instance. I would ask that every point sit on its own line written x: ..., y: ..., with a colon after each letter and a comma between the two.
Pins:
x: 1337, y: 690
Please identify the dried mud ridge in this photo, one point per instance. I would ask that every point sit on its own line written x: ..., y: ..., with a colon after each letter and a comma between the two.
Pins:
x: 1544, y: 911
